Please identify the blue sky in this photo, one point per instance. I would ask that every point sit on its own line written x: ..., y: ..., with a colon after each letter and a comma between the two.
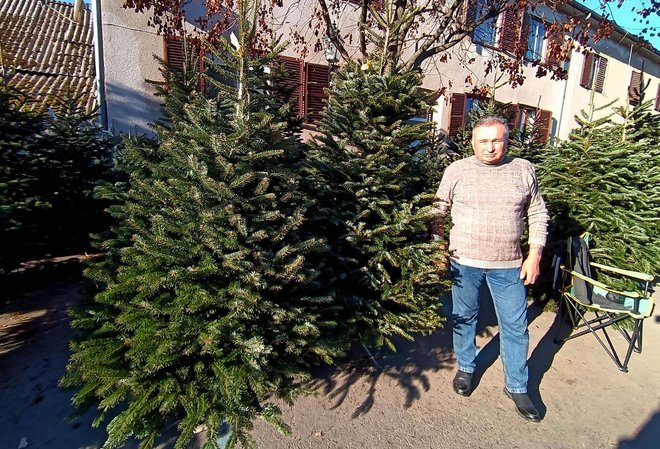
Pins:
x: 624, y: 16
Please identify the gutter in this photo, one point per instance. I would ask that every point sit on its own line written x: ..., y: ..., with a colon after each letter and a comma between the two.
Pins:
x: 98, y: 63
x: 617, y: 29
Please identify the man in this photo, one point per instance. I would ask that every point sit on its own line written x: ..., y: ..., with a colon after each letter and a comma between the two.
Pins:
x: 489, y: 195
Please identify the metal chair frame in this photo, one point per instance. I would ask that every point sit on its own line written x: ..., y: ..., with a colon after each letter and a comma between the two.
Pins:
x: 577, y: 311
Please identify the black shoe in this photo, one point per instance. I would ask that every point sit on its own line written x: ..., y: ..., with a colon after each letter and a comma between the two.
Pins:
x: 524, y: 405
x: 463, y: 383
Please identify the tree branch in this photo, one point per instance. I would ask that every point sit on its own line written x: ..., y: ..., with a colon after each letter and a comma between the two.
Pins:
x: 330, y: 31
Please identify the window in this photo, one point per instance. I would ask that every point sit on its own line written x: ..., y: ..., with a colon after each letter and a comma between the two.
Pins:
x: 535, y: 42
x: 534, y: 124
x: 461, y: 106
x: 657, y: 100
x: 303, y: 84
x: 635, y: 88
x: 593, y: 72
x: 487, y: 33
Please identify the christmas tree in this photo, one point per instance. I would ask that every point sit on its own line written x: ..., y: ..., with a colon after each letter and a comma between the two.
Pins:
x: 605, y: 179
x: 48, y: 169
x: 19, y: 144
x: 211, y: 304
x: 77, y: 156
x: 365, y: 168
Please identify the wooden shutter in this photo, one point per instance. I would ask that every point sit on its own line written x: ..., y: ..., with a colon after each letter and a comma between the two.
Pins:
x: 290, y: 85
x: 523, y: 43
x: 316, y: 98
x: 470, y: 13
x: 457, y: 114
x: 513, y: 115
x: 635, y: 88
x: 600, y: 76
x: 586, y: 70
x: 657, y: 99
x: 175, y: 54
x: 175, y: 57
x: 554, y: 47
x: 511, y: 28
x: 544, y: 120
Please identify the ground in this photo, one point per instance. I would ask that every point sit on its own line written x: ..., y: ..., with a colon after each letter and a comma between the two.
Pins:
x: 397, y: 400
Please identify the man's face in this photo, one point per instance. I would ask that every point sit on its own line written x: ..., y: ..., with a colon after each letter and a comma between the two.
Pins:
x: 489, y: 143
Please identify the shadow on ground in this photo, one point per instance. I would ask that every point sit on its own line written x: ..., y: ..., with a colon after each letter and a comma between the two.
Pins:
x: 412, y: 363
x: 648, y: 436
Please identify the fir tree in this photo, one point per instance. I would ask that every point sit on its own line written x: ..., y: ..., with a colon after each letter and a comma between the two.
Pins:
x: 606, y: 179
x: 20, y: 146
x: 211, y: 304
x: 77, y: 156
x: 366, y: 172
x: 49, y: 169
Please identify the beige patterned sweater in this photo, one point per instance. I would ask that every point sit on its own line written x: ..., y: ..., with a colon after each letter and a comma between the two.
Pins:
x: 488, y: 205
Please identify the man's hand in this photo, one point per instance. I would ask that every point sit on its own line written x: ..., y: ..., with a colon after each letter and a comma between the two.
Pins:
x: 531, y: 267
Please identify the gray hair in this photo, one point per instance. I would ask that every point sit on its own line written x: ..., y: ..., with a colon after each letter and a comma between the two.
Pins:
x: 491, y: 120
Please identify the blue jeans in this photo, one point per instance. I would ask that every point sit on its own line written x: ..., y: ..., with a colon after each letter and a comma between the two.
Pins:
x: 510, y: 301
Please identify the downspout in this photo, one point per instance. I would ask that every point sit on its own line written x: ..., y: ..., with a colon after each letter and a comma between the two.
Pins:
x: 561, y: 108
x: 98, y: 63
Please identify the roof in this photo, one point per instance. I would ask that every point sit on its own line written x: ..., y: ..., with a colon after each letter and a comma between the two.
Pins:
x: 45, y: 52
x: 646, y: 48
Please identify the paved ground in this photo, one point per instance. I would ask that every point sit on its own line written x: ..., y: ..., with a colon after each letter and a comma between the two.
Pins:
x: 407, y: 403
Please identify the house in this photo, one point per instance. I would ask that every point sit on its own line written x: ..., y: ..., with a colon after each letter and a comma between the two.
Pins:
x: 45, y: 52
x: 615, y: 70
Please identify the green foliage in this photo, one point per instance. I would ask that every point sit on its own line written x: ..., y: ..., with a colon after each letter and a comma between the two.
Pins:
x: 49, y: 169
x: 373, y: 202
x: 606, y: 179
x: 18, y: 198
x: 212, y: 301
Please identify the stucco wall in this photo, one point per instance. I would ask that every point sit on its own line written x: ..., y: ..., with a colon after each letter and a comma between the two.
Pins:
x: 128, y: 49
x: 129, y: 45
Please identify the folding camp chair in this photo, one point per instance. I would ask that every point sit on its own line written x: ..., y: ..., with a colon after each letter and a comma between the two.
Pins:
x: 593, y: 307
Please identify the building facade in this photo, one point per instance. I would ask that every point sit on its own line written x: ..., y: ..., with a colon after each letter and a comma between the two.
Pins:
x: 615, y: 70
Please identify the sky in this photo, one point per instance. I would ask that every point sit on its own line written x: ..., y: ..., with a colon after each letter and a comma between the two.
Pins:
x: 623, y: 16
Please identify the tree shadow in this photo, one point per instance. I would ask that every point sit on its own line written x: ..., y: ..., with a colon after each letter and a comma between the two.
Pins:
x: 647, y: 437
x: 409, y: 366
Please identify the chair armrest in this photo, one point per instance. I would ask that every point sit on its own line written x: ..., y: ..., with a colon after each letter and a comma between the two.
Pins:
x: 601, y: 285
x: 628, y: 273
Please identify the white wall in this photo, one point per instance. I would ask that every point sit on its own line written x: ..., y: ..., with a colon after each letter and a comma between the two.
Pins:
x: 128, y: 49
x: 129, y: 45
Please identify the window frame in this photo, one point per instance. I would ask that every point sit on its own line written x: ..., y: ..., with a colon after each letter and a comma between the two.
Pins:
x: 530, y: 55
x: 594, y: 72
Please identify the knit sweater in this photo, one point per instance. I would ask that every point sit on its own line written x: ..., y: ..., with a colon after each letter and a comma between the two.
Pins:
x: 488, y: 207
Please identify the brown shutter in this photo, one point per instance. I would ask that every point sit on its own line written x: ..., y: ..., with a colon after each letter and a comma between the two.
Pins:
x: 586, y: 70
x: 457, y: 115
x: 600, y: 76
x: 511, y: 27
x: 544, y: 120
x: 175, y: 55
x: 657, y: 99
x: 470, y: 13
x: 521, y: 48
x: 316, y: 98
x: 554, y: 47
x: 513, y: 115
x: 635, y: 88
x: 290, y: 84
